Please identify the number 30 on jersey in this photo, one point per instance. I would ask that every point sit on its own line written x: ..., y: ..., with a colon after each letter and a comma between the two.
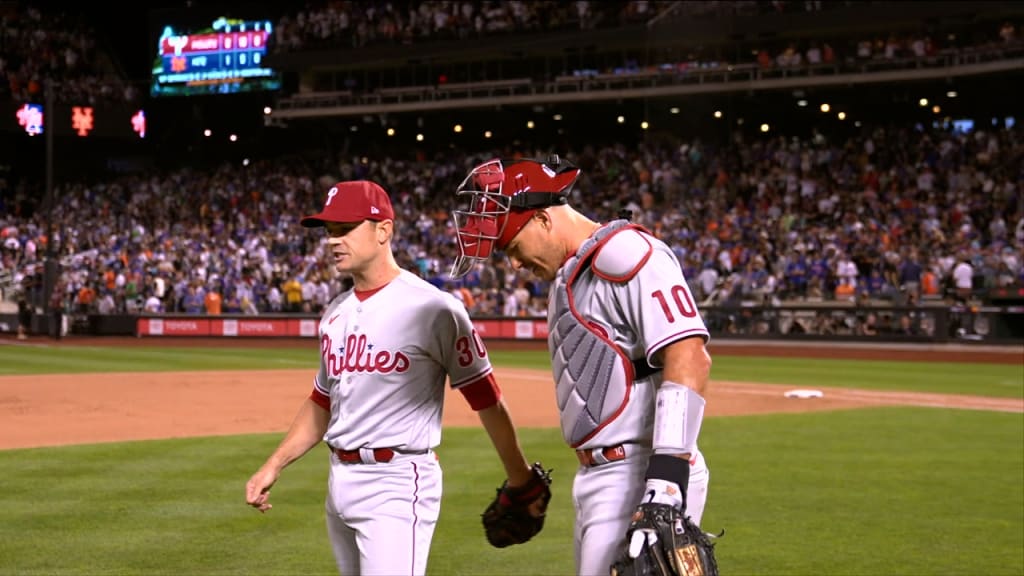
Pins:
x: 467, y: 350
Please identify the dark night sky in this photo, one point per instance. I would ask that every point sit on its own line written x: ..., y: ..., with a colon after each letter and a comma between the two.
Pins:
x: 131, y: 30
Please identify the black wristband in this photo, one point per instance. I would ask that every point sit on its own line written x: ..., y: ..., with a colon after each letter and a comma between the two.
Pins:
x: 669, y: 468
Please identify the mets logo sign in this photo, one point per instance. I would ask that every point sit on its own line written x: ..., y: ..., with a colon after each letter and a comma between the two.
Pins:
x: 359, y: 356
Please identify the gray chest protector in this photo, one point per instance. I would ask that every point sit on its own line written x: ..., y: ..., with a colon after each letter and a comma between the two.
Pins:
x: 592, y: 375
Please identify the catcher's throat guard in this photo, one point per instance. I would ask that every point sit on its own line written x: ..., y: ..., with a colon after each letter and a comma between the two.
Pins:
x: 503, y: 196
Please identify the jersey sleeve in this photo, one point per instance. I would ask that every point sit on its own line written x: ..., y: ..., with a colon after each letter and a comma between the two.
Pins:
x: 659, y: 304
x: 321, y: 393
x: 458, y: 346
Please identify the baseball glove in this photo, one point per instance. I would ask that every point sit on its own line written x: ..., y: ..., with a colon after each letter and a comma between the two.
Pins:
x: 517, y: 514
x: 661, y: 542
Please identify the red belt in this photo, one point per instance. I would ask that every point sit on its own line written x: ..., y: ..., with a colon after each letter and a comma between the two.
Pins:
x: 598, y: 456
x: 354, y: 456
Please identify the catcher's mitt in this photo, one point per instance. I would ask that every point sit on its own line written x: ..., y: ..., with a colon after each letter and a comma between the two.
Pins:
x: 517, y: 514
x: 661, y: 542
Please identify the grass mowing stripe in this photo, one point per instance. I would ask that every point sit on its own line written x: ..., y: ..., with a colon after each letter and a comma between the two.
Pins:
x: 797, y: 494
x: 978, y: 379
x: 1000, y: 380
x: 812, y: 493
x: 31, y: 360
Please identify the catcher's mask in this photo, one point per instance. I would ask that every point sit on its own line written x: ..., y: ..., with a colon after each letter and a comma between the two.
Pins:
x: 503, y: 196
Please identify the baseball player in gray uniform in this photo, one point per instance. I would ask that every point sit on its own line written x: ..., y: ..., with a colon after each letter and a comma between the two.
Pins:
x: 627, y: 346
x: 387, y: 347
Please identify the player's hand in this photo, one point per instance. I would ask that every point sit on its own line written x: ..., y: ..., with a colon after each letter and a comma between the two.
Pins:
x: 257, y: 489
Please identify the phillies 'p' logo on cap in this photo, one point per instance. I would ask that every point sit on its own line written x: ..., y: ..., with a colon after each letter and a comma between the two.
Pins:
x: 353, y: 201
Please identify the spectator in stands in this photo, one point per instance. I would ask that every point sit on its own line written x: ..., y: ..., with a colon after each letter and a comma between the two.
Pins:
x: 963, y: 279
x: 869, y: 326
x: 153, y: 304
x: 213, y: 301
x: 1008, y: 32
x: 796, y: 275
x: 292, y: 294
x: 875, y: 285
x: 907, y: 326
x: 763, y: 226
x: 846, y: 270
x: 232, y: 304
x: 511, y: 305
x: 193, y: 301
x: 24, y: 317
x: 910, y: 272
x: 105, y: 304
x: 930, y: 286
x: 274, y: 297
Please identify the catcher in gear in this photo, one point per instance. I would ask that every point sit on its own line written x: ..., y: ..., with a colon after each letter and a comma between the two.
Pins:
x: 517, y: 514
x: 627, y: 342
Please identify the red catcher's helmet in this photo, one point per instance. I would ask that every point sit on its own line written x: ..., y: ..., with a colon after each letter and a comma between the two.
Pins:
x: 503, y: 196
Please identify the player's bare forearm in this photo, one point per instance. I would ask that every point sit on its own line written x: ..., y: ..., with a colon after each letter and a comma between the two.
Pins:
x: 307, y: 430
x: 687, y: 362
x: 498, y: 423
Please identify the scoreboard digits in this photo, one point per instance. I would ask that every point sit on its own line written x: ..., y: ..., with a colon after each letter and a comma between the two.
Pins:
x: 226, y: 57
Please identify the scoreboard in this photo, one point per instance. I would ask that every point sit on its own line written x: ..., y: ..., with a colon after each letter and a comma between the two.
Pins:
x: 223, y: 58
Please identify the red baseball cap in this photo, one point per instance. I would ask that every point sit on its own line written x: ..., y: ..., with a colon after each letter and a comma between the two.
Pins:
x: 352, y: 201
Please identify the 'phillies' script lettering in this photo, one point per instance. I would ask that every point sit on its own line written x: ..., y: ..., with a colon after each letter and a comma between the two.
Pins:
x: 357, y: 356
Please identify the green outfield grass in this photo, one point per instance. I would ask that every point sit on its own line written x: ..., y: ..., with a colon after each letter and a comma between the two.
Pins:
x: 883, y: 491
x: 946, y: 377
x: 875, y: 491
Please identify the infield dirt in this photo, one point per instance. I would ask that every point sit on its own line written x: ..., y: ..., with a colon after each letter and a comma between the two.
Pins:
x: 112, y: 407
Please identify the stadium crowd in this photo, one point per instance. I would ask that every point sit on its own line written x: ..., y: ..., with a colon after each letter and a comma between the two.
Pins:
x: 898, y: 215
x: 359, y: 24
x: 894, y: 215
x: 323, y: 24
x: 42, y: 44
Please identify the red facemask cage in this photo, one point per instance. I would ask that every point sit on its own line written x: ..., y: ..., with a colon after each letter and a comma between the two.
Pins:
x: 503, y: 196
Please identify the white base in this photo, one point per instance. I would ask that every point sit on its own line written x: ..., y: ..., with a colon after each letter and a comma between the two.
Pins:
x: 804, y: 394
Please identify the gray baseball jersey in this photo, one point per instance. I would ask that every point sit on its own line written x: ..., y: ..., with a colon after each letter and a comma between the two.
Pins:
x: 384, y: 361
